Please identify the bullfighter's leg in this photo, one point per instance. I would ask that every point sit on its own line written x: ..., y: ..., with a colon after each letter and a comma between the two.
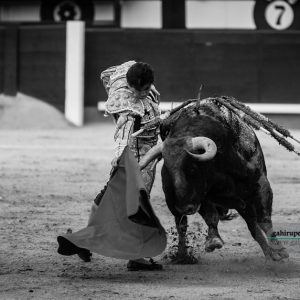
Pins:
x: 99, y: 197
x: 211, y: 217
x: 264, y: 212
x: 148, y: 175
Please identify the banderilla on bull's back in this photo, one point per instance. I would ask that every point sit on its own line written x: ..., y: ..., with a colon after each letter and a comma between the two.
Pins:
x: 258, y: 121
x: 252, y: 118
x: 159, y: 120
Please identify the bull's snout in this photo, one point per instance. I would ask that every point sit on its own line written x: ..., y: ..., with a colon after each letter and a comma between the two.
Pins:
x: 189, y: 209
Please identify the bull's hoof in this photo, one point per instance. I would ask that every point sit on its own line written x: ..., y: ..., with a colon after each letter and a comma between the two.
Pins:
x: 213, y: 243
x: 184, y: 259
x: 143, y: 265
x: 229, y: 215
x: 278, y: 254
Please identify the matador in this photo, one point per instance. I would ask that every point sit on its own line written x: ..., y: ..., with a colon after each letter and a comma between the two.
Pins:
x: 133, y: 101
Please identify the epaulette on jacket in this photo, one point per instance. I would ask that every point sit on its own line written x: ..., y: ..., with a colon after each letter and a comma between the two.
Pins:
x: 120, y: 72
x: 123, y: 100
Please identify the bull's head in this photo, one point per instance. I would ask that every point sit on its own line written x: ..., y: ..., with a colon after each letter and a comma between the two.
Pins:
x: 185, y: 159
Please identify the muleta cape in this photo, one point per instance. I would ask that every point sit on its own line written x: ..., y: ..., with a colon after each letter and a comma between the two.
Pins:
x: 124, y: 225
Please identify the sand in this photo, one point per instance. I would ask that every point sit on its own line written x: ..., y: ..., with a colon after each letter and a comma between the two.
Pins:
x: 25, y: 112
x: 49, y: 177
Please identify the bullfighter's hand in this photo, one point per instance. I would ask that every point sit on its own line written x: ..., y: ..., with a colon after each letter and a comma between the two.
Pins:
x: 165, y: 115
x: 114, y: 162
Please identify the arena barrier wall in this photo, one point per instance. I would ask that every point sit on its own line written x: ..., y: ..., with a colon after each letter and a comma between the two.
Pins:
x: 1, y: 58
x: 253, y: 66
x: 32, y: 61
x: 42, y: 62
x: 9, y: 46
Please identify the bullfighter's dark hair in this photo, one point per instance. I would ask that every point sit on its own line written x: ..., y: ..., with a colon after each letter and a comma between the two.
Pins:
x: 139, y: 75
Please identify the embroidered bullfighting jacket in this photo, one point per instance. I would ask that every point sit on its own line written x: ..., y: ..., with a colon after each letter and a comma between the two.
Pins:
x: 131, y: 114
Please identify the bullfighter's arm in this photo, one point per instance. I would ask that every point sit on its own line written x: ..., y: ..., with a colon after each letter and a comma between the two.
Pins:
x: 124, y: 129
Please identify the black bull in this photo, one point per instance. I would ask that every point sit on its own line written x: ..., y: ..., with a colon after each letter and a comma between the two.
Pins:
x: 211, y: 165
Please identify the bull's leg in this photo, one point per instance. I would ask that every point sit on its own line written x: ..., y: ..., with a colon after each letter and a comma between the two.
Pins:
x: 181, y: 226
x: 264, y: 212
x: 211, y: 217
x: 183, y: 256
x: 249, y: 215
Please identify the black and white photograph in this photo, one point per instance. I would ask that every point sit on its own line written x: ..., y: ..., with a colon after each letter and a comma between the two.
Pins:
x: 150, y: 149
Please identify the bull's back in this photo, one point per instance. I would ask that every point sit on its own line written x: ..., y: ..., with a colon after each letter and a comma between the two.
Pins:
x: 224, y: 127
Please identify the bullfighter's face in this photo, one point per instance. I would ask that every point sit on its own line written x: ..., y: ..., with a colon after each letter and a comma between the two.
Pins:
x: 142, y: 92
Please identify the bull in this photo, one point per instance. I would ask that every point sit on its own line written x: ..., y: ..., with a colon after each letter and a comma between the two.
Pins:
x: 212, y: 161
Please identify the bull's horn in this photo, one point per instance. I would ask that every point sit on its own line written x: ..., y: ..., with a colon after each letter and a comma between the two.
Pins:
x: 153, y: 153
x: 208, y: 146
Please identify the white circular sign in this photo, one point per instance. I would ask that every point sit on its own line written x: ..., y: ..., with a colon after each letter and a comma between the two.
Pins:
x: 67, y: 10
x: 279, y: 15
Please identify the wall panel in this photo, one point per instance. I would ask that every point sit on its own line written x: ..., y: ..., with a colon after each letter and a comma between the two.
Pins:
x: 1, y: 58
x: 280, y: 67
x: 42, y: 62
x: 252, y: 66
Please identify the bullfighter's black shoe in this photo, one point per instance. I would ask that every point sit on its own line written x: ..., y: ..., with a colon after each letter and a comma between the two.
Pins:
x: 144, y: 265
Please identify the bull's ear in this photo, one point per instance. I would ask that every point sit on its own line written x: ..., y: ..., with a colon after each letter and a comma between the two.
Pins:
x: 164, y: 131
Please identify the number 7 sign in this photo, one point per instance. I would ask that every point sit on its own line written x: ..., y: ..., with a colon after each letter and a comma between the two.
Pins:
x: 277, y: 14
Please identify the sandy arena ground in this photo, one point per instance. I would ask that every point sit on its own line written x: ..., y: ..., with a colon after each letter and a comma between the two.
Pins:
x: 49, y: 178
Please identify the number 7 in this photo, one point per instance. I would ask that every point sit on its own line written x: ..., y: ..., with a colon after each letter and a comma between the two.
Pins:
x: 282, y: 10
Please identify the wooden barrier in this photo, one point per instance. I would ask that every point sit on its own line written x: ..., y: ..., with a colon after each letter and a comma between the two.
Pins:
x: 1, y: 58
x: 255, y: 67
x: 42, y: 51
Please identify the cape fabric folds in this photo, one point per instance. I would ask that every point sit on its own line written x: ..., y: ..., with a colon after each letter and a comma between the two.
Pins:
x: 124, y: 225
